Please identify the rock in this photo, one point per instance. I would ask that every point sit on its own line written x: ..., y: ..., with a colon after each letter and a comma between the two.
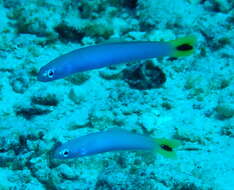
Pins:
x: 78, y: 78
x: 69, y: 33
x: 144, y: 76
x: 111, y: 74
x: 80, y: 121
x: 186, y: 186
x: 19, y: 82
x: 225, y: 111
x: 76, y: 95
x: 115, y: 178
x: 40, y: 170
x: 228, y: 130
x: 47, y: 100
x: 67, y: 172
x: 30, y: 112
x: 131, y: 4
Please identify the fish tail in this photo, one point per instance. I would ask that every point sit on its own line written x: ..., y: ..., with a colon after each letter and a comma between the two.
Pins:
x: 183, y: 46
x: 165, y: 147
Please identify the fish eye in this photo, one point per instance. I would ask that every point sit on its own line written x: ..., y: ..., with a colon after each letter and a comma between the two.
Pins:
x: 65, y: 153
x: 50, y: 73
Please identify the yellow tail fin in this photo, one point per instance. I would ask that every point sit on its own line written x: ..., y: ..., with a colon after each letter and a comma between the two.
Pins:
x: 166, y: 147
x: 183, y: 46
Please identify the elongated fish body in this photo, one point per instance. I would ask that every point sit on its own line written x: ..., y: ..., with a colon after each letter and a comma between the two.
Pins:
x: 112, y: 140
x: 99, y: 56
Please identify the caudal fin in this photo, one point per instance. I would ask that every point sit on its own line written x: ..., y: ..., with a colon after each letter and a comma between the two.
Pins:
x: 165, y: 147
x: 183, y: 46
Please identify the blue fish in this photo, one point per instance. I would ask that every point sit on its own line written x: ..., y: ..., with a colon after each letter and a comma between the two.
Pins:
x: 114, y: 140
x: 98, y: 56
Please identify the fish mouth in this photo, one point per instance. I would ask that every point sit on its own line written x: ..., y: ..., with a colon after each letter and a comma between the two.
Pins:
x: 53, y: 154
x: 41, y: 78
x: 42, y: 75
